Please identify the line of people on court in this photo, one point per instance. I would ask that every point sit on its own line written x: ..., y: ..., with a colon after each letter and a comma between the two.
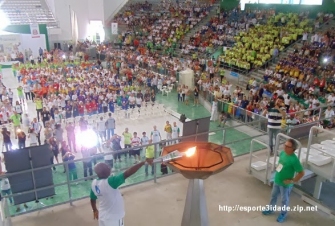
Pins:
x: 133, y: 142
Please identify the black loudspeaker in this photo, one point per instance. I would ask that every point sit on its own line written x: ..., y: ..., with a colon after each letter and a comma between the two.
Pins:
x: 182, y: 118
x: 92, y: 52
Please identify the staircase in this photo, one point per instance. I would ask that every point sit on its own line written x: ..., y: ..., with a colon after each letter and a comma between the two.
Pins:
x: 259, y: 73
x: 29, y: 12
x: 198, y: 27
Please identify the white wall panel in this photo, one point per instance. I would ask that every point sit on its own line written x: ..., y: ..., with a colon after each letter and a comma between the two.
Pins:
x: 96, y: 10
x: 112, y: 6
x: 86, y: 10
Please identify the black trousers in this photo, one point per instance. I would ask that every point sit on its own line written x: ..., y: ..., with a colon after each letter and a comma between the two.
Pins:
x: 39, y: 112
x: 28, y: 97
x: 39, y: 138
x: 88, y: 167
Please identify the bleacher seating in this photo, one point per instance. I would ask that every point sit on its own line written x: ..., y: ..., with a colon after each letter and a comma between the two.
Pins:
x: 161, y: 30
x: 220, y: 31
x: 256, y: 46
x: 28, y: 12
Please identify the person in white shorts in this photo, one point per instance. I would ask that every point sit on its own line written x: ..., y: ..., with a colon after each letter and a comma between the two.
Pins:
x: 156, y: 137
x: 111, y: 209
x: 175, y: 132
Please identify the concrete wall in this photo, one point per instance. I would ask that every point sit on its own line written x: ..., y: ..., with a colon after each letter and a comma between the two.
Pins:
x: 85, y: 10
x: 327, y: 6
x: 111, y: 7
x: 51, y: 5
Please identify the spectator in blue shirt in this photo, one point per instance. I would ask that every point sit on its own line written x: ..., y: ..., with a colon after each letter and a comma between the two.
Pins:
x: 72, y: 170
x: 111, y: 105
x: 124, y: 102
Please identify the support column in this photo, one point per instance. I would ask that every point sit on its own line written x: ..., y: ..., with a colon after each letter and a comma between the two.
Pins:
x: 318, y: 187
x: 195, y: 211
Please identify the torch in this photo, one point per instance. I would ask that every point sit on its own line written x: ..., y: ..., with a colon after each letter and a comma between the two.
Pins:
x: 174, y: 155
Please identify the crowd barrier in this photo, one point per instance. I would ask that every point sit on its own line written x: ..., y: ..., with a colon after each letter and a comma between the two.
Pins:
x: 259, y: 122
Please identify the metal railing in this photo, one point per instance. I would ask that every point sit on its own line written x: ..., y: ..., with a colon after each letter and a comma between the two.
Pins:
x: 71, y: 191
x: 253, y: 141
x: 243, y: 115
x: 312, y: 133
x: 266, y: 176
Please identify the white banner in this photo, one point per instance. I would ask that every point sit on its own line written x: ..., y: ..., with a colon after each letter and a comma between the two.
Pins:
x: 34, y: 30
x: 114, y: 28
x: 9, y: 43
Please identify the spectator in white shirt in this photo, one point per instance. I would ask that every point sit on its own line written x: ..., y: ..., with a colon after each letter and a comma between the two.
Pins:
x: 331, y: 98
x: 329, y: 114
x: 315, y: 102
x: 101, y: 127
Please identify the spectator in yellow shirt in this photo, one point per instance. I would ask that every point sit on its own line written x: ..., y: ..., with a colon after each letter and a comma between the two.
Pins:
x: 149, y: 156
x: 168, y: 130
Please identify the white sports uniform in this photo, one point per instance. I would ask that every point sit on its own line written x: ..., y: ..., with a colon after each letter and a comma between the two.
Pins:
x: 111, y: 205
x: 175, y: 133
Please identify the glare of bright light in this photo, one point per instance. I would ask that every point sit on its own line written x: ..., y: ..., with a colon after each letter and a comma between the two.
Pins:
x: 190, y: 152
x: 64, y: 56
x: 87, y: 139
x: 4, y: 21
x: 325, y: 60
x: 94, y: 27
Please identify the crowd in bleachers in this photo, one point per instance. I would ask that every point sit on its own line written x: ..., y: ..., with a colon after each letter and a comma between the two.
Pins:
x: 161, y: 29
x: 263, y: 42
x: 305, y: 77
x: 308, y: 69
x: 222, y: 29
x: 125, y: 73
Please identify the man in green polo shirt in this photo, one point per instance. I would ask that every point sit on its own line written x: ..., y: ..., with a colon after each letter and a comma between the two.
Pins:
x: 16, y: 119
x: 288, y: 165
x: 111, y: 209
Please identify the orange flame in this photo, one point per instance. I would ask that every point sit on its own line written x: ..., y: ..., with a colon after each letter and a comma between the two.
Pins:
x: 190, y: 152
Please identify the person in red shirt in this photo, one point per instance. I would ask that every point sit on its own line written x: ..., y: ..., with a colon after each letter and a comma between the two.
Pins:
x: 81, y: 109
x: 56, y: 86
x: 136, y: 42
x: 129, y: 77
x: 86, y: 57
x: 44, y: 91
x: 94, y: 106
x: 250, y: 109
x: 88, y: 107
x: 42, y: 81
x: 274, y: 97
x: 291, y: 110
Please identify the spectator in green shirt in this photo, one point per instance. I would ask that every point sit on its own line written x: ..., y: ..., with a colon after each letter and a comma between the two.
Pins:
x: 127, y: 140
x: 288, y: 165
x: 16, y: 119
x: 149, y: 156
x: 39, y: 107
x: 20, y: 94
